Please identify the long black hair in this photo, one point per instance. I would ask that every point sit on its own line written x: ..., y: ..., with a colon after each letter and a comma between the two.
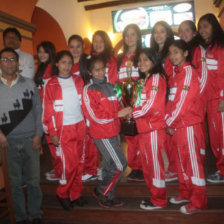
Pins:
x: 157, y: 68
x: 58, y: 57
x: 196, y: 40
x: 108, y: 48
x: 217, y: 32
x: 49, y: 48
x: 138, y: 47
x: 170, y: 37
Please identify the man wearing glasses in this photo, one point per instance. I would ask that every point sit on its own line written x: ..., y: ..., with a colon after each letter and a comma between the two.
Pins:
x: 20, y: 136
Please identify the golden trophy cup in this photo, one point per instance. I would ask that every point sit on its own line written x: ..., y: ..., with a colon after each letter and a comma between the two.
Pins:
x: 128, y: 92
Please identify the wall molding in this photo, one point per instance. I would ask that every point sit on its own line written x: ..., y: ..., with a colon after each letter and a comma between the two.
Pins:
x: 23, y: 26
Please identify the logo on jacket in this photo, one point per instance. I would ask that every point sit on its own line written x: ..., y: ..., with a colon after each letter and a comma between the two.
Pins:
x: 186, y: 88
x: 202, y: 59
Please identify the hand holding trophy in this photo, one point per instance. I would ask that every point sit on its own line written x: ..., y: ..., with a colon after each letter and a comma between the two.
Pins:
x: 128, y: 91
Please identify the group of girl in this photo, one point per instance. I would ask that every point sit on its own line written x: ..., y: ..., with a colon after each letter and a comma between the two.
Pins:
x: 181, y: 81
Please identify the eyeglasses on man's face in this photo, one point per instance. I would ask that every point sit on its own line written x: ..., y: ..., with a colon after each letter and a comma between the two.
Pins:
x: 8, y: 59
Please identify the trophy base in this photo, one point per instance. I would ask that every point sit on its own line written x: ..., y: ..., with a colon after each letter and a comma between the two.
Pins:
x: 129, y: 128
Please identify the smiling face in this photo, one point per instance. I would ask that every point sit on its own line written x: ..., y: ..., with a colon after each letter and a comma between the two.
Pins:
x: 186, y: 33
x: 64, y: 66
x: 160, y: 35
x: 177, y: 55
x: 98, y: 71
x: 205, y: 30
x: 98, y: 44
x: 76, y: 48
x: 42, y: 55
x: 8, y: 64
x: 144, y: 63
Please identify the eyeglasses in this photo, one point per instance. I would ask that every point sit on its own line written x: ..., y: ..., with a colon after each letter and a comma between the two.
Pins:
x: 8, y: 59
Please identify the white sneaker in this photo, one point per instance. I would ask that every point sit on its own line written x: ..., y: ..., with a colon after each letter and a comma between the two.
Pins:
x: 169, y: 176
x: 99, y: 174
x: 178, y: 200
x: 49, y: 173
x: 88, y: 177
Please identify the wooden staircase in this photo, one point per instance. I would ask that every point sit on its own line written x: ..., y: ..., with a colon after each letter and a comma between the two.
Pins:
x: 132, y: 194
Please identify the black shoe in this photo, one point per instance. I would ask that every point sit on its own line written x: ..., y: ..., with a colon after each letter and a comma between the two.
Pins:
x: 23, y: 222
x: 102, y: 201
x: 79, y: 202
x: 37, y: 221
x: 140, y: 175
x: 117, y: 202
x: 136, y: 175
x: 65, y: 203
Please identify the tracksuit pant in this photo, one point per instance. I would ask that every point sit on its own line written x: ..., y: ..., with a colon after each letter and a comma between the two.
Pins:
x: 170, y: 152
x: 133, y: 157
x: 216, y: 133
x: 91, y: 156
x: 190, y: 165
x: 151, y: 146
x: 70, y: 167
x: 114, y: 164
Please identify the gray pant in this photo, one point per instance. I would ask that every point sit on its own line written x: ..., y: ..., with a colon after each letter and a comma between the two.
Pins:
x: 24, y: 166
x: 114, y: 164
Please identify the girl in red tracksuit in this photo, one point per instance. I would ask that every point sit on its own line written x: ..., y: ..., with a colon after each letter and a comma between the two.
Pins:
x: 79, y: 68
x: 162, y: 37
x: 187, y: 32
x: 149, y: 115
x: 132, y: 46
x: 101, y: 45
x: 213, y: 39
x: 183, y: 120
x: 101, y: 108
x: 63, y: 121
x: 45, y: 56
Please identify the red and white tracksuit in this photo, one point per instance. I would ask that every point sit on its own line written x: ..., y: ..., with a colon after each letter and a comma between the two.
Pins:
x: 91, y: 152
x: 69, y: 153
x: 100, y: 107
x: 184, y: 116
x: 133, y: 157
x: 150, y: 121
x: 215, y: 65
x: 198, y: 61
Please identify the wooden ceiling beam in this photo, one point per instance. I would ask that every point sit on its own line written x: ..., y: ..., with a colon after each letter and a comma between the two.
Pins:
x: 113, y: 3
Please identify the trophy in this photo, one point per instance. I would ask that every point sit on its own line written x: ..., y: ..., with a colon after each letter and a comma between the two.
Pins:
x: 128, y: 91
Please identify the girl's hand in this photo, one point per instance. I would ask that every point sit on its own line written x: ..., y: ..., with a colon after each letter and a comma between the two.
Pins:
x: 169, y: 131
x: 221, y: 106
x: 54, y: 140
x: 125, y: 112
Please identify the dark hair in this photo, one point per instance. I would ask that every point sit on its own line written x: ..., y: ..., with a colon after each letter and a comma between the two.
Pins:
x: 75, y: 37
x: 157, y: 68
x: 49, y: 48
x: 108, y: 48
x: 83, y: 68
x: 93, y: 61
x: 138, y: 47
x: 57, y: 58
x: 8, y: 49
x: 170, y: 37
x: 196, y: 40
x: 217, y: 32
x: 12, y: 30
x: 181, y: 44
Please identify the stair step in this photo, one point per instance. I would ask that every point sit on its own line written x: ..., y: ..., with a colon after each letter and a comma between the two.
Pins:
x: 130, y: 213
x: 133, y: 189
